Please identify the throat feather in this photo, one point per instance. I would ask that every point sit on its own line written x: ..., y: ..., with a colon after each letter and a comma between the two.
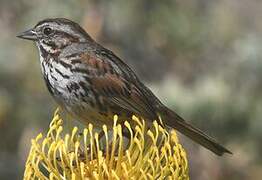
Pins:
x: 49, y: 48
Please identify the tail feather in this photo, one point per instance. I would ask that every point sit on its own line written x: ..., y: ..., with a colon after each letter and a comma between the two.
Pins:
x: 175, y: 121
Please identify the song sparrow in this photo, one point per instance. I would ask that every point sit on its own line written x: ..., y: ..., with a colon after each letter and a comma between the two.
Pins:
x: 92, y: 84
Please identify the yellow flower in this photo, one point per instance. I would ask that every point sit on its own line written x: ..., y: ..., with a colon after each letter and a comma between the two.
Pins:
x: 149, y: 154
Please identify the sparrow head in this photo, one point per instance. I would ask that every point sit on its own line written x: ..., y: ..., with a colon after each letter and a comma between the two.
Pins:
x: 52, y: 35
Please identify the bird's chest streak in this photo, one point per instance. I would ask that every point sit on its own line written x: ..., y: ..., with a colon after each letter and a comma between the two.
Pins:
x: 72, y: 91
x: 68, y: 88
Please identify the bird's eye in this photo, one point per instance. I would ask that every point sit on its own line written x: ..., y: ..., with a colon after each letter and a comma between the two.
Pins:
x: 47, y: 31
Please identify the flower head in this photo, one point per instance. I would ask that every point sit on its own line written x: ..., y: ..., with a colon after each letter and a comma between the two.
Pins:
x: 149, y: 154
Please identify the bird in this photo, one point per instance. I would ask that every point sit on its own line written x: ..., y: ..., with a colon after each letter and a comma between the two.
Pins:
x: 93, y: 84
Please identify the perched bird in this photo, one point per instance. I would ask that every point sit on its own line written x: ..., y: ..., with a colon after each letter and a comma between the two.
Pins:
x: 92, y: 84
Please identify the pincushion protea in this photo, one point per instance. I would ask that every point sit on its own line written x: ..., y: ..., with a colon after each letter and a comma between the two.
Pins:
x: 149, y: 154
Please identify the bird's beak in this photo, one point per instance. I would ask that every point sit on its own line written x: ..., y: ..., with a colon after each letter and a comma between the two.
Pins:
x: 29, y: 34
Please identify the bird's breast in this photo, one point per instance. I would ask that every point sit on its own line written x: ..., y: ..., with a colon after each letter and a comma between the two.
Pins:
x: 70, y: 89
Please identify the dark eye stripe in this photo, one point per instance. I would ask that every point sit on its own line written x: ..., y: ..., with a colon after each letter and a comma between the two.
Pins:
x: 72, y: 37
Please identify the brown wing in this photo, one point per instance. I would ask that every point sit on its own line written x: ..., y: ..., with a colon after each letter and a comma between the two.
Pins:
x: 116, y: 85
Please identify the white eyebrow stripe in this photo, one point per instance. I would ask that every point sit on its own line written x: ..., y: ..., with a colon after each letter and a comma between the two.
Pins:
x: 62, y: 27
x: 55, y: 26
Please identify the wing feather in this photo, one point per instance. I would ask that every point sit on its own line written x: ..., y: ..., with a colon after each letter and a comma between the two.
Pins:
x: 117, y: 84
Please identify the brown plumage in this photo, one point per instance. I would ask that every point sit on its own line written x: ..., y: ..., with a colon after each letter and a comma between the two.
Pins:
x: 92, y: 83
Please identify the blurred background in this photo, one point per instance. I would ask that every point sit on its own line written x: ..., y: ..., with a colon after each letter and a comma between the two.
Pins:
x: 202, y: 58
